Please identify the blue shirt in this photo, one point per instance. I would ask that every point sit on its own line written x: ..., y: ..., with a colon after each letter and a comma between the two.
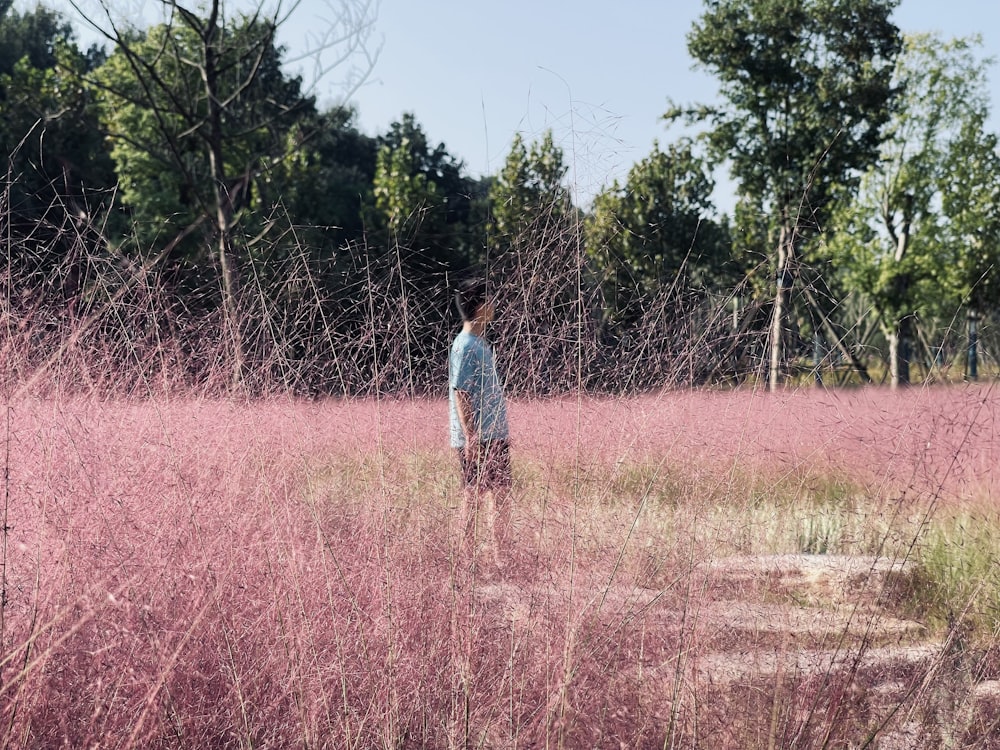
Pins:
x: 472, y: 369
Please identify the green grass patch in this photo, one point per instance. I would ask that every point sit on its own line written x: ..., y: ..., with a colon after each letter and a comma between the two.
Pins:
x: 956, y: 581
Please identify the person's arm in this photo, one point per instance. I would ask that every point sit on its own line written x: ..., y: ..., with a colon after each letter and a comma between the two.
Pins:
x: 466, y: 417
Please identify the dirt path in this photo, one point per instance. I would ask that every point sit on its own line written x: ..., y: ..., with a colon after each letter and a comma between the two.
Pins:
x: 823, y: 628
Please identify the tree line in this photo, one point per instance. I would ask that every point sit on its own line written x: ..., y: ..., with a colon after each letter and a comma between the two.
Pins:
x: 178, y: 206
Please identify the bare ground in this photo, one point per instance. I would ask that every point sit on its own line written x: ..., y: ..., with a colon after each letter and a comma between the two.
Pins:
x: 820, y: 633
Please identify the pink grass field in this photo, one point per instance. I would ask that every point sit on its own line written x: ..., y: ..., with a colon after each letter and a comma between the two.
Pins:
x: 202, y: 573
x: 940, y: 440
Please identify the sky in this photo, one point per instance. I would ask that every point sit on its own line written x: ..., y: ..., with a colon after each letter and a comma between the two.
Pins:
x: 600, y: 75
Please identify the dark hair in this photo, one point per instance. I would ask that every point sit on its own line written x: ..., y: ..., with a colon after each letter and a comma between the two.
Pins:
x: 469, y: 297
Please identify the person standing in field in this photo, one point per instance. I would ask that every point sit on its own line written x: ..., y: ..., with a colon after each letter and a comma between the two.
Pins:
x: 478, y: 417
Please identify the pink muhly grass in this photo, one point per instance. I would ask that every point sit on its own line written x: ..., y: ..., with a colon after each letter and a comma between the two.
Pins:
x: 924, y: 438
x: 207, y: 573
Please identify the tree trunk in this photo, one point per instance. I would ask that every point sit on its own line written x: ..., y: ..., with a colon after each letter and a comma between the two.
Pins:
x: 224, y: 212
x: 782, y: 287
x: 229, y: 295
x: 972, y: 355
x: 900, y: 337
x: 227, y: 269
x: 899, y: 352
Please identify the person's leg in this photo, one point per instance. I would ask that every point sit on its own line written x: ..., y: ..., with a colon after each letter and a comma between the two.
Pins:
x: 503, y: 507
x: 468, y: 520
x: 498, y: 475
x: 469, y: 517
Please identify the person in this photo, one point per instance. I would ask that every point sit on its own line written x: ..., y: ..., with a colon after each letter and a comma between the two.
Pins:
x: 478, y: 420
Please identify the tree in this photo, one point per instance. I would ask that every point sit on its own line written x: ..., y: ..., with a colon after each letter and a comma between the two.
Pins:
x: 529, y: 193
x: 48, y: 121
x: 536, y: 258
x: 324, y: 182
x: 657, y: 233
x: 806, y: 89
x: 921, y: 237
x: 423, y: 201
x: 970, y: 199
x: 58, y: 168
x: 199, y: 109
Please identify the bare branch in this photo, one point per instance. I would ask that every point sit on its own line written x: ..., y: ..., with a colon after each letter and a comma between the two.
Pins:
x: 346, y: 34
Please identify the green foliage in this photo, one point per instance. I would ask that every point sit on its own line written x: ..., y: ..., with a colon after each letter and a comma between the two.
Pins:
x: 422, y: 201
x: 956, y: 581
x: 173, y: 98
x: 323, y: 182
x: 32, y: 36
x: 529, y: 192
x: 970, y: 198
x: 58, y: 174
x: 656, y: 233
x: 921, y: 237
x: 48, y: 121
x: 866, y: 175
x: 535, y: 257
x: 807, y: 90
x: 752, y: 238
x: 807, y: 85
x: 401, y: 192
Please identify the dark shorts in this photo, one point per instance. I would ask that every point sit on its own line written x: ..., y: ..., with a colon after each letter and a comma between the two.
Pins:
x: 491, y: 471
